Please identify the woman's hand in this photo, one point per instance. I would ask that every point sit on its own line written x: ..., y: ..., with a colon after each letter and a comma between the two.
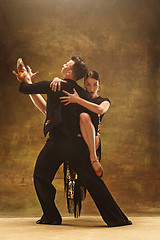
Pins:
x: 32, y: 75
x: 56, y: 84
x: 70, y: 98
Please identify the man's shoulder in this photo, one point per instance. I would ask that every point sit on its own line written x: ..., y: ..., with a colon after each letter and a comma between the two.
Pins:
x: 79, y: 88
x: 70, y: 84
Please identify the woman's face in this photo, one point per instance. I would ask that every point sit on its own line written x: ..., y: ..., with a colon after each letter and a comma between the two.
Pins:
x: 92, y: 86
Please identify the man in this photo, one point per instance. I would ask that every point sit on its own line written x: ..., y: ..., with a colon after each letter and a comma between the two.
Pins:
x: 63, y: 144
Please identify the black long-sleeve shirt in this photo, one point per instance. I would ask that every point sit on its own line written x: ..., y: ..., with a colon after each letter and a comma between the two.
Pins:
x: 60, y: 118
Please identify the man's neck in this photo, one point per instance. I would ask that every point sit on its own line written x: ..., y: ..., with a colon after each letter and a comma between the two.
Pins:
x: 69, y: 77
x: 73, y: 79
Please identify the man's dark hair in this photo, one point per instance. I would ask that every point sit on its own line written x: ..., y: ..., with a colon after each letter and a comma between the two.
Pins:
x: 79, y: 68
x: 92, y: 74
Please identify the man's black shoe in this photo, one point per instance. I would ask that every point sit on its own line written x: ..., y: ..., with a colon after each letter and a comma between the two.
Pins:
x: 122, y: 224
x: 54, y: 222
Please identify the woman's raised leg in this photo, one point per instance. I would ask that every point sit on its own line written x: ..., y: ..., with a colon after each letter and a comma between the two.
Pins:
x: 88, y: 133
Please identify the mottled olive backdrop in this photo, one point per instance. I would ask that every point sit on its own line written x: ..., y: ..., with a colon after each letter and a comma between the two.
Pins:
x: 121, y: 40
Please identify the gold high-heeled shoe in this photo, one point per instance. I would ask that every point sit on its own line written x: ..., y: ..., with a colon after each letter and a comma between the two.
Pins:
x: 22, y: 74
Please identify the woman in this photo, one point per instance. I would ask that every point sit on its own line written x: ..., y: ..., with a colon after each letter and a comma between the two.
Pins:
x: 89, y: 126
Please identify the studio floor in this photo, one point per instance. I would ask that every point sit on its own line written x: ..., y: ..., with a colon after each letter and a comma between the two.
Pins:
x: 86, y: 227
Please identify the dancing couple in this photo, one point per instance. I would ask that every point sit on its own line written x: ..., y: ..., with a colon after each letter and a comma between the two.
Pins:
x: 72, y: 119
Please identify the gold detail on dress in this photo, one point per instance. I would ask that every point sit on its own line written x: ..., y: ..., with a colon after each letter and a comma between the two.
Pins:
x: 99, y: 125
x: 48, y: 121
x: 71, y: 176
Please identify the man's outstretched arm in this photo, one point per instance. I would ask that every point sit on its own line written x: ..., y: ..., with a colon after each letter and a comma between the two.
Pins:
x: 35, y: 88
x: 38, y: 100
x: 26, y: 85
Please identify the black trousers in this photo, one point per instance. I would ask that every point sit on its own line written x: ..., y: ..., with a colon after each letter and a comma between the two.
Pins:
x: 57, y: 150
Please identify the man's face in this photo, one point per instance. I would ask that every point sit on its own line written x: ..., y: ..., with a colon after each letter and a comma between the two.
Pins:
x: 67, y: 68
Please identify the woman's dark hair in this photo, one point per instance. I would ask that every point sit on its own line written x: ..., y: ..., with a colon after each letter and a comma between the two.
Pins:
x: 92, y: 74
x: 79, y: 68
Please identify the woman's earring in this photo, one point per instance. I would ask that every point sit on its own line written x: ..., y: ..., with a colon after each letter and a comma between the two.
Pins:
x: 99, y: 89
